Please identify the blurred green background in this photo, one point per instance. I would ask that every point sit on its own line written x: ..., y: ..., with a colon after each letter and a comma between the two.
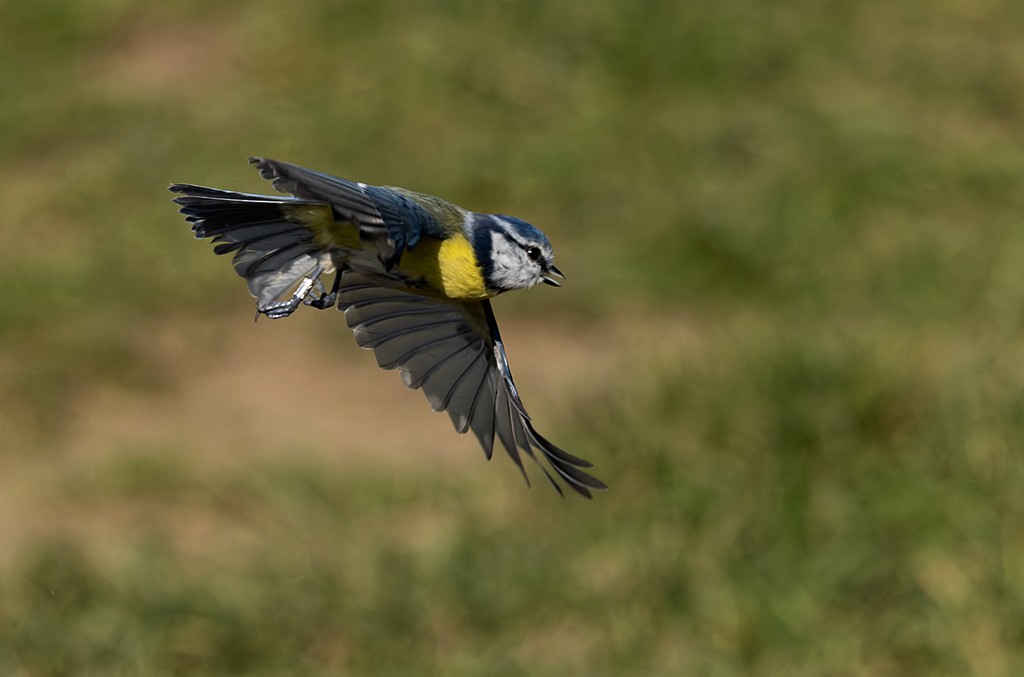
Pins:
x: 792, y: 342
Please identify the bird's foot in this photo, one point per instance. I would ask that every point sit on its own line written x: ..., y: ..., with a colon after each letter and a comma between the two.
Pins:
x: 310, y: 292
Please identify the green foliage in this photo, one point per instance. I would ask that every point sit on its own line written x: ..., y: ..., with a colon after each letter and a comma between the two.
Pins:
x: 796, y: 225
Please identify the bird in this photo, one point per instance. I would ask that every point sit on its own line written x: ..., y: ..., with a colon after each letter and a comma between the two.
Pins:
x: 413, y: 274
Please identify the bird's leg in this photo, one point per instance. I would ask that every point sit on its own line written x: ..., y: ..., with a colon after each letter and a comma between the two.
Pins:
x: 279, y: 309
x: 327, y: 300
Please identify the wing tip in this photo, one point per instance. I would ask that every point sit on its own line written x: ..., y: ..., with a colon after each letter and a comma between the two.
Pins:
x: 566, y: 465
x: 264, y: 166
x: 569, y: 471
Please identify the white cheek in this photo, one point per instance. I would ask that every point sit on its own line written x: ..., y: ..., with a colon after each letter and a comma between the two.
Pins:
x: 511, y: 269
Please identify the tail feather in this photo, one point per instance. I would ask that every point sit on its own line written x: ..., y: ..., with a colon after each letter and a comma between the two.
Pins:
x: 273, y: 250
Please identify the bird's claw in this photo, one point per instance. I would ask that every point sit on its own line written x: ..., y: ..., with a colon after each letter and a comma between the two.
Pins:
x: 310, y: 292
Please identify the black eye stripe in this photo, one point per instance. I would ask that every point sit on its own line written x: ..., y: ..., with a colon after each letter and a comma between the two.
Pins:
x: 534, y: 252
x: 524, y: 245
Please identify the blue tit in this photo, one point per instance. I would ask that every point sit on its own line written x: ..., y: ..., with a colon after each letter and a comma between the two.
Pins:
x: 413, y: 274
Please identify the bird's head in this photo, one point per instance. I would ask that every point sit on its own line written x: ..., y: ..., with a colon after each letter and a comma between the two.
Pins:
x: 513, y: 253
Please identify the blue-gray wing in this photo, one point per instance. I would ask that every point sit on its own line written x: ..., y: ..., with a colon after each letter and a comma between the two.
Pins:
x: 453, y: 352
x: 390, y: 219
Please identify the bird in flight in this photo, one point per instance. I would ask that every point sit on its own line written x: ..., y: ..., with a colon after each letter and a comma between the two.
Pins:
x: 413, y: 274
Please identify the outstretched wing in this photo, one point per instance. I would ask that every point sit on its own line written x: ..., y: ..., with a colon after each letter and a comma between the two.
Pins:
x: 390, y: 219
x: 453, y: 352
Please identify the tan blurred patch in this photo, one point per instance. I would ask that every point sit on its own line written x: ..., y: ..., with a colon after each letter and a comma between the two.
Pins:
x: 153, y: 59
x: 248, y: 390
x: 236, y: 393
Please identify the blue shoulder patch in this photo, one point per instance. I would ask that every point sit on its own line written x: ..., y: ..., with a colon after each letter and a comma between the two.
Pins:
x: 405, y: 220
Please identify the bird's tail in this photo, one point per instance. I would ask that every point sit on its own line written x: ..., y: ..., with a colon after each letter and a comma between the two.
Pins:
x: 274, y: 248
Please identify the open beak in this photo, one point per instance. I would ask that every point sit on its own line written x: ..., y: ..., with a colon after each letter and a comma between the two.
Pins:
x: 550, y: 280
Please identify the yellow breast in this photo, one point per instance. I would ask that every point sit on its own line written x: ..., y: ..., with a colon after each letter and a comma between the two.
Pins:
x: 447, y: 267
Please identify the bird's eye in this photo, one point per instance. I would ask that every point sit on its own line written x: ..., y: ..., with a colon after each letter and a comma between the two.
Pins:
x: 534, y: 253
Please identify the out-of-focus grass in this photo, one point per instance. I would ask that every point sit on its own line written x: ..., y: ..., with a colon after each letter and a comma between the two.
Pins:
x: 822, y: 477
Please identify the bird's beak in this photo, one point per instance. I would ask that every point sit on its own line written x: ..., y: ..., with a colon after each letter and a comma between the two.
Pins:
x: 550, y: 280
